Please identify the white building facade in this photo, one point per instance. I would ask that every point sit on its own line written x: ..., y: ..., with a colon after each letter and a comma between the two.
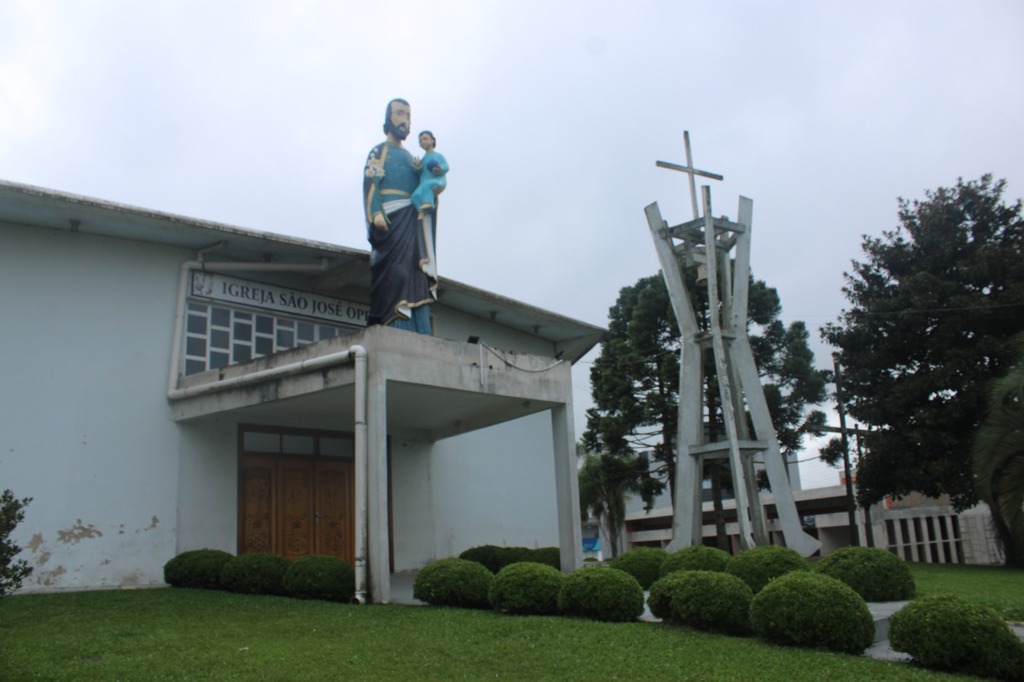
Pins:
x: 174, y: 384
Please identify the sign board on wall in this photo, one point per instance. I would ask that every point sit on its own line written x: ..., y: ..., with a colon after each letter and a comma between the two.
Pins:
x: 216, y: 287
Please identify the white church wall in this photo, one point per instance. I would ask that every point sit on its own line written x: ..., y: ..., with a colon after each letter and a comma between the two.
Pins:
x: 455, y: 325
x: 511, y: 500
x: 85, y: 423
x: 208, y: 490
x: 412, y: 502
x: 119, y: 488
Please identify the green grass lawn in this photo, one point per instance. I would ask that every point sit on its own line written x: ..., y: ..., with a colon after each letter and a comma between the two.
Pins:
x: 995, y: 586
x: 179, y: 634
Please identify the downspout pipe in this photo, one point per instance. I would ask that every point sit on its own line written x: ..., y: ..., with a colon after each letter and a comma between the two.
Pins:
x: 179, y: 323
x: 269, y: 374
x: 183, y: 282
x: 362, y: 465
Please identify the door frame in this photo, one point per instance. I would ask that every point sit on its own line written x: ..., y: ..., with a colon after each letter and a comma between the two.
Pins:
x: 277, y: 455
x: 316, y: 454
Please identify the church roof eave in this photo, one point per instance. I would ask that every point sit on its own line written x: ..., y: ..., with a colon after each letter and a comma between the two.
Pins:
x: 33, y: 206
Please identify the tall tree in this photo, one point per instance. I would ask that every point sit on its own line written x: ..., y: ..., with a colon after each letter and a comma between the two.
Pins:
x: 635, y: 379
x: 999, y: 461
x: 933, y: 308
x: 605, y: 480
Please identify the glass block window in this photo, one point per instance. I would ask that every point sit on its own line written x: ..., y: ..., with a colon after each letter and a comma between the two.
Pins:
x: 217, y: 336
x: 277, y: 441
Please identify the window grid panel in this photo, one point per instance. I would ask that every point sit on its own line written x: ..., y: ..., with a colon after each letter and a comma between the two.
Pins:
x: 196, y: 330
x: 216, y: 337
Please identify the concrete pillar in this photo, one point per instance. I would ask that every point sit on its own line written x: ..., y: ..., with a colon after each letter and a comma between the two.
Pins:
x: 377, y: 485
x: 570, y: 536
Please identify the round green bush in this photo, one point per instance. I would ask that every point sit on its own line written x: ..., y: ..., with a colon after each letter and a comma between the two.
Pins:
x: 812, y: 610
x: 197, y: 568
x: 493, y: 557
x: 696, y: 558
x: 601, y: 593
x: 550, y: 556
x: 526, y: 588
x: 255, y: 573
x: 659, y: 597
x: 949, y: 633
x: 758, y: 566
x: 875, y: 574
x: 484, y: 554
x: 643, y: 563
x: 320, y: 577
x: 711, y: 600
x: 454, y: 582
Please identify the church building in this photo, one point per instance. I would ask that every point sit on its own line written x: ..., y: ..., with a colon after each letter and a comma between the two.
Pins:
x: 175, y: 384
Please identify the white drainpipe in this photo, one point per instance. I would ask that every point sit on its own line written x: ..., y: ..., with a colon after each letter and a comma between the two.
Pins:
x: 269, y: 374
x: 362, y: 466
x: 355, y: 353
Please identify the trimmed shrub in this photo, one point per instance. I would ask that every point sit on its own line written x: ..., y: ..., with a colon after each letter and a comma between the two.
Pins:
x: 255, y: 573
x: 495, y: 558
x: 643, y: 563
x: 949, y: 633
x: 454, y: 582
x: 549, y: 556
x: 812, y: 610
x: 320, y: 577
x: 481, y: 554
x: 525, y: 588
x: 199, y: 568
x: 711, y: 600
x: 875, y: 574
x: 659, y: 597
x: 696, y: 558
x: 601, y: 593
x: 760, y: 565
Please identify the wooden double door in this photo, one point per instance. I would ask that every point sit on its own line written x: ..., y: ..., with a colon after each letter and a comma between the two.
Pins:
x: 296, y: 506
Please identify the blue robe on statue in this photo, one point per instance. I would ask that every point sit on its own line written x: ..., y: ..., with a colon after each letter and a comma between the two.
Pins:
x: 402, y: 272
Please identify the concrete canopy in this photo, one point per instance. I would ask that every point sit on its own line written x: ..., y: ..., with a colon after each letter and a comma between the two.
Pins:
x: 435, y: 388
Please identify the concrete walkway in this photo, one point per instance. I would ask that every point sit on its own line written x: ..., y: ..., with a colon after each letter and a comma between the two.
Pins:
x: 401, y: 588
x: 882, y: 611
x: 402, y: 583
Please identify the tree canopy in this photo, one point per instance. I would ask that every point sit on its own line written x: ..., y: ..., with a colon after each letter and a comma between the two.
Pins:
x: 999, y: 461
x: 605, y: 480
x: 635, y: 379
x: 935, y: 305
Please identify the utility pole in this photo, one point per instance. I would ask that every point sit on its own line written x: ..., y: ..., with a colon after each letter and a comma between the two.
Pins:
x: 850, y: 501
x: 869, y: 533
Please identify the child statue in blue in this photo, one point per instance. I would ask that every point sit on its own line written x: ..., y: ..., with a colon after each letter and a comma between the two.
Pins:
x: 433, y: 174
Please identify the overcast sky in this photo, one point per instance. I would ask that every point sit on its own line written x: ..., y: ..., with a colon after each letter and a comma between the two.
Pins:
x: 551, y: 114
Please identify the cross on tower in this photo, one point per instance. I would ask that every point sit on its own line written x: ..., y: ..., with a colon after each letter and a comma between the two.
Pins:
x: 746, y: 421
x: 691, y: 172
